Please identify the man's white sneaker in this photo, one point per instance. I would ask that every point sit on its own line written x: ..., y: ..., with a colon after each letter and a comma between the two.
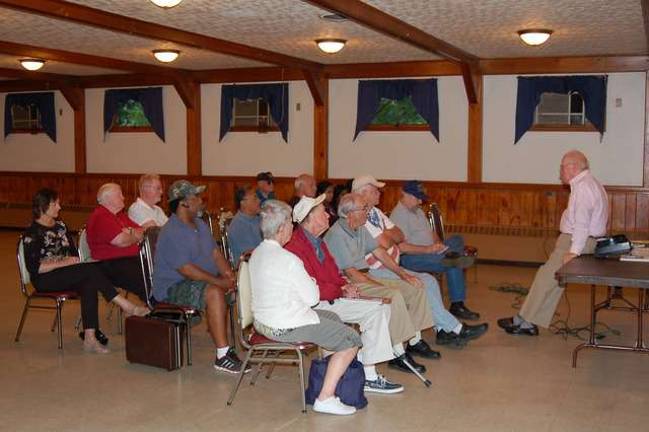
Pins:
x: 333, y: 405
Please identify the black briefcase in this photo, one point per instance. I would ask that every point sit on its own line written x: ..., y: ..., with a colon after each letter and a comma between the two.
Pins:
x: 154, y: 341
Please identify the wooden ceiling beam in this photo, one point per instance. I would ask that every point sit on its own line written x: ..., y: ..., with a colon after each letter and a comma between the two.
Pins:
x: 82, y: 59
x: 109, y: 21
x: 393, y: 69
x: 33, y: 75
x: 379, y: 21
x: 125, y: 80
x: 187, y: 89
x: 248, y: 75
x: 590, y: 64
x: 645, y: 14
x: 316, y: 87
x: 74, y: 95
x: 29, y: 85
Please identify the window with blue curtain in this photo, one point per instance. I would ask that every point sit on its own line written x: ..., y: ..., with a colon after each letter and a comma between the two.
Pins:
x: 275, y: 95
x: 150, y: 99
x: 591, y: 88
x: 40, y: 103
x: 413, y: 99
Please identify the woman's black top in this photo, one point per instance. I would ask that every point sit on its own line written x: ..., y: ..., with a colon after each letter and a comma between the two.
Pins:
x: 41, y: 242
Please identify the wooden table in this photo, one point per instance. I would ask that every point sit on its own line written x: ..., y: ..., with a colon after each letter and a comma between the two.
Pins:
x: 587, y: 269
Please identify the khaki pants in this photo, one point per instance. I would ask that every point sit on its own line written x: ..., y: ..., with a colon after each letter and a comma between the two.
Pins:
x: 409, y: 310
x: 545, y: 293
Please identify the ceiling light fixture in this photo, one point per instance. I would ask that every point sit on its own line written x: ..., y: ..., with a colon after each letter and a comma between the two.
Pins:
x: 32, y: 64
x: 166, y: 55
x: 534, y: 37
x: 331, y: 46
x: 166, y: 3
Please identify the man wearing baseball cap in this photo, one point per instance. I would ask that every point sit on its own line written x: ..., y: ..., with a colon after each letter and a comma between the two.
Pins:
x: 450, y: 331
x: 265, y: 186
x: 190, y: 269
x: 340, y: 297
x: 422, y: 250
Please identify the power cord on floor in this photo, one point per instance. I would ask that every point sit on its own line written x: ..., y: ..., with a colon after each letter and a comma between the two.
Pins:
x: 512, y: 288
x: 561, y: 327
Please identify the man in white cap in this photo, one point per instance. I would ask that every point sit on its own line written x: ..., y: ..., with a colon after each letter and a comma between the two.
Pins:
x: 450, y: 331
x: 340, y: 297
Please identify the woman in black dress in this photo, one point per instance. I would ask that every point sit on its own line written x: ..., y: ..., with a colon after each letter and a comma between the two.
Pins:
x: 53, y: 264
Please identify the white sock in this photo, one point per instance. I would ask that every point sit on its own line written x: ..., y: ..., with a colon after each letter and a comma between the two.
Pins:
x: 415, y: 340
x: 221, y: 352
x: 370, y: 373
x: 398, y: 350
x: 457, y: 329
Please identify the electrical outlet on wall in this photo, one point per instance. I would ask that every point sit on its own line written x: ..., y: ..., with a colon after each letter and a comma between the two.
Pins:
x: 618, y: 102
x: 298, y: 106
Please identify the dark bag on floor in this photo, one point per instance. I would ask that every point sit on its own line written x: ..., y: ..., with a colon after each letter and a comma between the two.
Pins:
x: 349, y: 388
x: 154, y: 341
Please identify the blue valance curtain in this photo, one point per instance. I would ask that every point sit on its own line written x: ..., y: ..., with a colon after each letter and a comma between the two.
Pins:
x: 275, y: 94
x: 591, y: 88
x: 150, y: 98
x: 45, y: 104
x: 422, y: 92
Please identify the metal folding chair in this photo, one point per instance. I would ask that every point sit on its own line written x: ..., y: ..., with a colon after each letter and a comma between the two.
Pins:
x: 258, y: 346
x: 58, y: 297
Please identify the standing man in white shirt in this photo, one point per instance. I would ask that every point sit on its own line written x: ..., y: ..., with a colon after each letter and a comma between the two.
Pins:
x: 584, y: 219
x: 144, y: 210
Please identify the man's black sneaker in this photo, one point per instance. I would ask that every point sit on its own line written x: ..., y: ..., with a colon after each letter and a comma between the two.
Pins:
x: 382, y: 385
x: 422, y: 349
x: 101, y: 337
x: 450, y: 339
x: 230, y: 363
x: 462, y: 312
x: 470, y: 332
x: 399, y: 364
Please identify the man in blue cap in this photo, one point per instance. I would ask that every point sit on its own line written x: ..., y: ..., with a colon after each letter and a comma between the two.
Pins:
x: 423, y: 251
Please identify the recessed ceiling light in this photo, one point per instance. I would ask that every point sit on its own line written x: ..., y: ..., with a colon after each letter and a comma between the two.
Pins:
x: 334, y: 17
x: 331, y: 46
x: 166, y: 55
x: 166, y: 3
x: 32, y: 64
x: 534, y: 37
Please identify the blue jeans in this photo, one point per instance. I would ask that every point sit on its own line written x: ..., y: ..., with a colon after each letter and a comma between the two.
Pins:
x: 442, y: 318
x: 433, y: 263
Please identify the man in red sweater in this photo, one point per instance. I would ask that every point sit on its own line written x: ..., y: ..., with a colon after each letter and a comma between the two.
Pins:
x: 338, y: 296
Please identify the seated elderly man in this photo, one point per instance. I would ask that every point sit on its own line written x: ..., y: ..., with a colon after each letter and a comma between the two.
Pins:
x: 265, y: 186
x: 349, y: 242
x: 114, y: 240
x: 244, y: 233
x: 305, y: 185
x: 144, y: 210
x: 422, y: 251
x: 190, y: 270
x: 450, y: 331
x: 283, y: 295
x: 338, y: 296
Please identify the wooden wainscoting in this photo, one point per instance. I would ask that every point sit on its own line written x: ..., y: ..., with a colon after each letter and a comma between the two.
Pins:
x: 508, y: 209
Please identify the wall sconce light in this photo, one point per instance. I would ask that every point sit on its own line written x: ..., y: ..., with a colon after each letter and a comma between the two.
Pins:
x: 331, y: 46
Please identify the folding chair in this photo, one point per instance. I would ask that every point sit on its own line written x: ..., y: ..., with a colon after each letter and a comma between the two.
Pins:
x: 437, y: 223
x: 58, y: 297
x: 185, y: 313
x: 258, y: 346
x: 84, y: 255
x: 225, y: 217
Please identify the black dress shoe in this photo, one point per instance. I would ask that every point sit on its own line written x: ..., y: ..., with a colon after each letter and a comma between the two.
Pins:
x: 508, y: 325
x: 101, y: 337
x: 399, y: 364
x: 450, y: 339
x: 470, y: 332
x: 462, y: 312
x: 422, y: 349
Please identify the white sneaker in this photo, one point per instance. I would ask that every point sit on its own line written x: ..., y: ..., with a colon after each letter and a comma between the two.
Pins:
x: 333, y: 405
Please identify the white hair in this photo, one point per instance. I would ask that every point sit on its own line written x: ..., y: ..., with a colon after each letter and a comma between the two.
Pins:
x: 274, y: 214
x: 348, y: 203
x: 105, y: 190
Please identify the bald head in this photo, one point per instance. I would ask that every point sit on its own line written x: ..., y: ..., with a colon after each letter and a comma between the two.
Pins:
x: 110, y: 196
x: 305, y: 186
x: 572, y: 163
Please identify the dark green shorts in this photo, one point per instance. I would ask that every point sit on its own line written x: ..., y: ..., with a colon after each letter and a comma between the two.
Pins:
x: 188, y: 293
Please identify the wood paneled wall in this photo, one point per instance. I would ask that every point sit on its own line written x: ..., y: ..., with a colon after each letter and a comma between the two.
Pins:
x: 474, y: 204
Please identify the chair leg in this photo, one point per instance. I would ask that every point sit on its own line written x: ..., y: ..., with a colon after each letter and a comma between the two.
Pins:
x: 120, y: 321
x: 22, y: 321
x: 233, y: 393
x: 54, y: 322
x: 232, y: 331
x: 188, y: 330
x: 260, y: 365
x: 59, y: 319
x: 301, y: 372
x: 271, y: 368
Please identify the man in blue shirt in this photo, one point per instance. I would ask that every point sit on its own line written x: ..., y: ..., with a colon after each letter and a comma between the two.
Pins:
x: 244, y: 233
x: 265, y: 186
x: 190, y: 270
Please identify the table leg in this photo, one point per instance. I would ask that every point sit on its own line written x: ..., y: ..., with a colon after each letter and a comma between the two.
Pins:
x: 593, y: 321
x: 640, y: 341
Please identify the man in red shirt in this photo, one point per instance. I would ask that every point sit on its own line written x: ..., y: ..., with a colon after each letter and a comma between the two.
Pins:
x: 340, y: 297
x: 114, y: 240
